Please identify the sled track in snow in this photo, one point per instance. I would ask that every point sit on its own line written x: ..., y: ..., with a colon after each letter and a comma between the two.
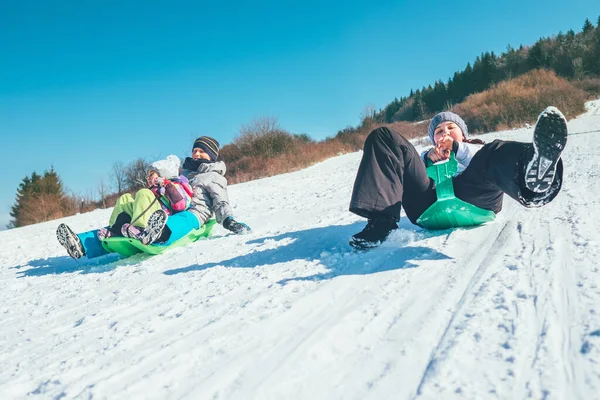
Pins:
x: 555, y: 368
x: 445, y: 340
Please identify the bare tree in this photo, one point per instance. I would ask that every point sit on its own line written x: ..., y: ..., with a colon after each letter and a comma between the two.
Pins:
x: 259, y: 127
x: 103, y: 192
x: 135, y: 174
x: 368, y: 114
x: 263, y: 137
x: 119, y: 177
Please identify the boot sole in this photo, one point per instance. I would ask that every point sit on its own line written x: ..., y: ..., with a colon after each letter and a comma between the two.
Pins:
x: 156, y: 224
x: 70, y: 241
x: 549, y: 141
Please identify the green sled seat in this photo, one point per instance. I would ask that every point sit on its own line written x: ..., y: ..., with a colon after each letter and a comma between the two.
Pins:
x: 448, y: 211
x: 128, y: 247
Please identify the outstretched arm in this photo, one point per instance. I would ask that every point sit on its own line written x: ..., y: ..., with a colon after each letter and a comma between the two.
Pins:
x: 217, y: 189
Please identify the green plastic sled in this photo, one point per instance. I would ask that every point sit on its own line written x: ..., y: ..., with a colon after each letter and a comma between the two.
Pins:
x: 448, y: 211
x: 128, y: 247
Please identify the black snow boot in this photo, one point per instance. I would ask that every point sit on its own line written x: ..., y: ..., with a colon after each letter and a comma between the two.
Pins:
x: 376, y: 232
x: 549, y: 140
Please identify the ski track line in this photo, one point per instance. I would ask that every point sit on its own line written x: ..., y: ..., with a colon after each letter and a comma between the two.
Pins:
x: 425, y: 322
x: 95, y: 326
x: 551, y: 366
x: 290, y: 350
x: 160, y: 350
x: 524, y: 346
x: 557, y: 363
x: 315, y: 330
x: 241, y: 361
x: 490, y: 334
x: 564, y: 299
x: 201, y: 334
x: 92, y: 321
x: 286, y: 346
x: 362, y: 314
x: 478, y: 262
x: 585, y: 254
x: 150, y: 312
x: 313, y: 325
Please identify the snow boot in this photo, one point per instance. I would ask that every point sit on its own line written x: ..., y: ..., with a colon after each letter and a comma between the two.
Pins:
x: 156, y: 224
x: 375, y: 233
x: 103, y: 233
x: 70, y: 241
x: 131, y: 231
x: 549, y: 140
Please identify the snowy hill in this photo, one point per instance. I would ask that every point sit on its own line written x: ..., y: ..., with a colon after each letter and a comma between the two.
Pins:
x: 508, y: 310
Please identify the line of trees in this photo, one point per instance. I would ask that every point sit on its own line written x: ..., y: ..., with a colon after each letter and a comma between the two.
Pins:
x: 571, y: 55
x: 263, y: 148
x: 43, y: 197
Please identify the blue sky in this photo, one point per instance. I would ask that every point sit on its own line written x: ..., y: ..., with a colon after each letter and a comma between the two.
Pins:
x: 85, y: 84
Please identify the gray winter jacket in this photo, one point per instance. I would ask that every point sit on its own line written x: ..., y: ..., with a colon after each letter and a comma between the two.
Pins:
x: 210, y: 191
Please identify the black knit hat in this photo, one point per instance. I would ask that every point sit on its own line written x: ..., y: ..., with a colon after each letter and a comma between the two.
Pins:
x: 209, y: 145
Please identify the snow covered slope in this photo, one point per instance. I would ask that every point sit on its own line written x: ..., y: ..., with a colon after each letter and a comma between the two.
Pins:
x: 508, y: 310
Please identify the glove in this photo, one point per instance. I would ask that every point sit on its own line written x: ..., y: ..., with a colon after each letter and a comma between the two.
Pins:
x: 239, y: 228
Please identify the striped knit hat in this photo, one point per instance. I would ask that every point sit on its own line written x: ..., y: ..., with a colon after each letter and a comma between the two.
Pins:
x: 209, y: 145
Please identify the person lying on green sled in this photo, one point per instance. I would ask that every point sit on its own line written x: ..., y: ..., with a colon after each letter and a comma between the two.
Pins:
x: 392, y: 175
x: 170, y: 207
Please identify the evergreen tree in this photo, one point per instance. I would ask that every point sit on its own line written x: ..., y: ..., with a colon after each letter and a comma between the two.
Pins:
x: 23, y: 192
x: 593, y: 60
x: 39, y: 198
x: 587, y: 26
x: 538, y: 55
x: 51, y: 183
x: 390, y: 110
x: 468, y: 84
x: 419, y: 107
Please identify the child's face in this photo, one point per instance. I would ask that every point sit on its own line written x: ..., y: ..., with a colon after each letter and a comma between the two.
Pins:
x: 448, y: 128
x: 199, y: 154
x: 152, y: 178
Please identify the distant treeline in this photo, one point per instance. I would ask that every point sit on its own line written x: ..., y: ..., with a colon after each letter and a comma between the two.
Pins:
x: 43, y: 197
x: 495, y: 92
x: 574, y: 56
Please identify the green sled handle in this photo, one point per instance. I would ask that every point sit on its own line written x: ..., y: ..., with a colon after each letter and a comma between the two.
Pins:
x: 128, y: 247
x: 448, y: 211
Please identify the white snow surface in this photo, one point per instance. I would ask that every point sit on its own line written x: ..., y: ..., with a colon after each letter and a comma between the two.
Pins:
x: 508, y: 310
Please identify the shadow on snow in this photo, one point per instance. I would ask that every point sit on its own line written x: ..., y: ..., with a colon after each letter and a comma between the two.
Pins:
x: 65, y: 265
x: 329, y: 246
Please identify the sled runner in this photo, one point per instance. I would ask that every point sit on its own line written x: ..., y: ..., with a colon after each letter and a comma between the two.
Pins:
x: 449, y: 211
x: 128, y: 247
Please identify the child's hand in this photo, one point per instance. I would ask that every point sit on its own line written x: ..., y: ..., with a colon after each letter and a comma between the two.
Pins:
x: 435, y: 155
x: 444, y: 146
x: 162, y: 182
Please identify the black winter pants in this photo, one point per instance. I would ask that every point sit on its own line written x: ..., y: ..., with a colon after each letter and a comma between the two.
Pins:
x: 392, y: 175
